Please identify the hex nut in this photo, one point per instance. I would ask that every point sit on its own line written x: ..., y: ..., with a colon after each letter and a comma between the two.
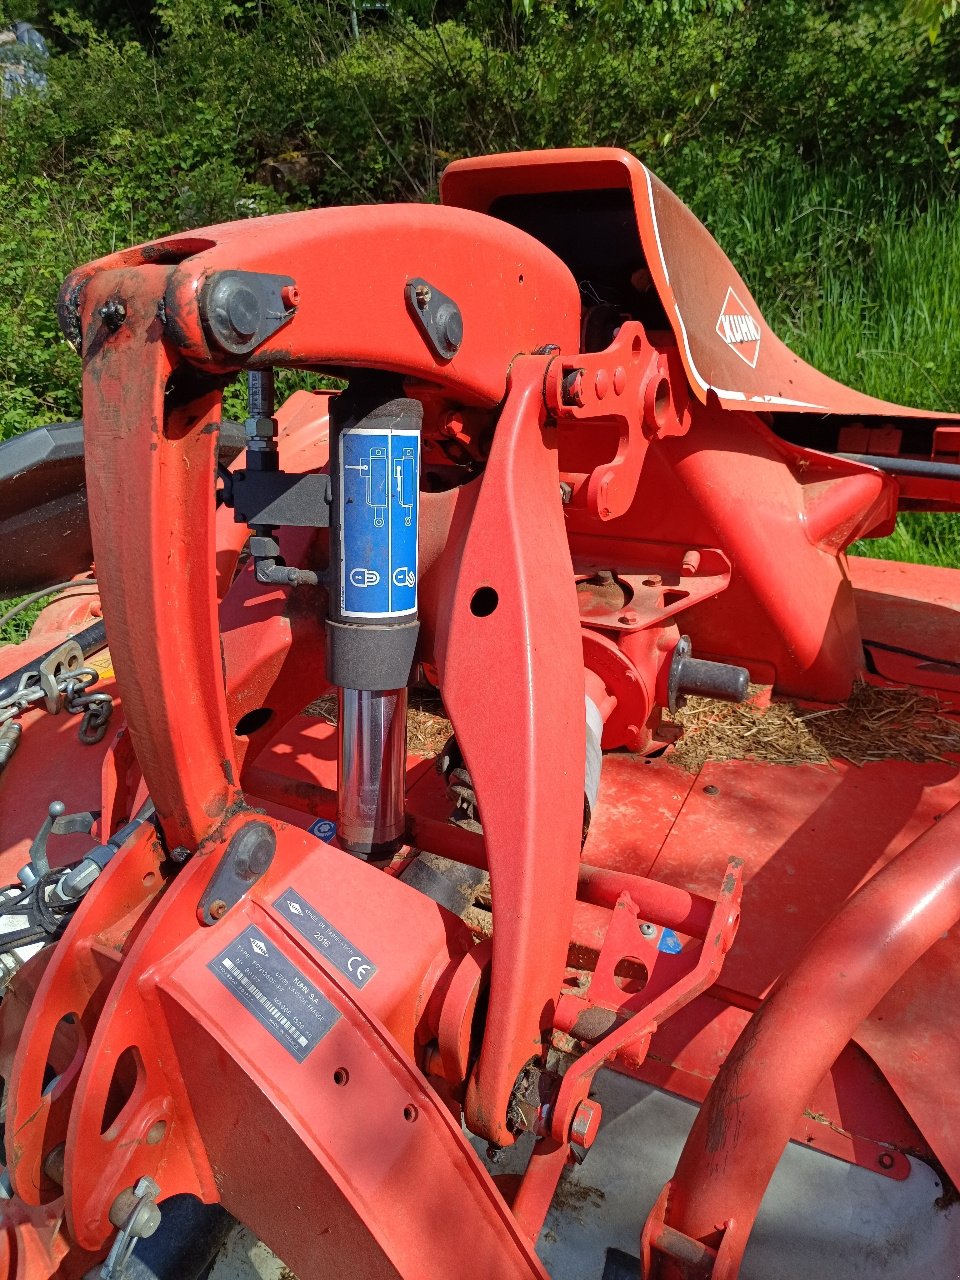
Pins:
x: 260, y: 428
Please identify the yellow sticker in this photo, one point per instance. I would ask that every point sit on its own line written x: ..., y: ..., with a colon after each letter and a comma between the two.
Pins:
x: 102, y: 663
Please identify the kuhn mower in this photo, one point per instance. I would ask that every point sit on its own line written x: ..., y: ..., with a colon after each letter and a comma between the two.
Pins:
x: 447, y: 1017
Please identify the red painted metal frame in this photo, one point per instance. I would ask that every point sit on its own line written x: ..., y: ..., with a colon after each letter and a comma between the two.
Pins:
x: 151, y: 498
x: 164, y: 645
x: 786, y: 1048
x: 196, y: 647
x: 351, y: 267
x: 75, y: 986
x: 672, y: 982
x: 691, y: 274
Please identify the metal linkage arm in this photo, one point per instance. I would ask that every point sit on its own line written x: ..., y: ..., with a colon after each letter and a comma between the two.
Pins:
x: 224, y: 301
x: 513, y: 610
x: 329, y: 288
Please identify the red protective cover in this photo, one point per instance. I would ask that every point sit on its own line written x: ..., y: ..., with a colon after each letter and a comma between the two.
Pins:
x: 727, y: 347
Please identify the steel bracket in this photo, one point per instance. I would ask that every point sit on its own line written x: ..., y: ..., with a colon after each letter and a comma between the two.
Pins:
x: 246, y: 858
x: 437, y: 317
x: 241, y: 309
x: 278, y: 499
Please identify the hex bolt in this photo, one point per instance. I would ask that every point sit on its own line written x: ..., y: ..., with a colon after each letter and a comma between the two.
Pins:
x: 585, y: 1124
x: 218, y: 908
x: 113, y: 314
x: 290, y: 296
x: 134, y: 1210
x: 571, y: 390
x: 423, y: 293
x: 260, y: 429
x: 648, y: 930
x: 135, y: 1215
x: 261, y: 545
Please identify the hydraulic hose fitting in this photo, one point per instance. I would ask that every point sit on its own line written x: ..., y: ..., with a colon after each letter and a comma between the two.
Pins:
x: 260, y: 426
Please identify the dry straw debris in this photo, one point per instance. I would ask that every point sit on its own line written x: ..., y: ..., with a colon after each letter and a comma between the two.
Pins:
x: 427, y: 727
x: 877, y: 723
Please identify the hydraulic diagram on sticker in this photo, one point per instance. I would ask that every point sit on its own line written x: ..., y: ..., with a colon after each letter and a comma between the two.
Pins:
x: 380, y: 500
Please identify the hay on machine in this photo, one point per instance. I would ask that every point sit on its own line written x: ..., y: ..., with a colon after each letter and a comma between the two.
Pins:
x: 876, y: 723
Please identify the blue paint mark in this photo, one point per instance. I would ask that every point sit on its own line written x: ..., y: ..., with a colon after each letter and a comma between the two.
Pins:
x: 670, y: 943
x: 323, y: 829
x: 380, y: 495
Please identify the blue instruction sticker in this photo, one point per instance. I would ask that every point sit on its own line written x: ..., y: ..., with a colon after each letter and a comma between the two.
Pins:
x: 380, y: 496
x: 323, y: 829
x: 669, y: 942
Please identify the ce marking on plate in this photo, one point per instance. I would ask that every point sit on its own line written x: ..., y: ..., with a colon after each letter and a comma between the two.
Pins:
x: 359, y: 967
x: 325, y: 938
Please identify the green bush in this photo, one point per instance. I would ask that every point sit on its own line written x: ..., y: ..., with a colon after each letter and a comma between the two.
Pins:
x: 819, y: 141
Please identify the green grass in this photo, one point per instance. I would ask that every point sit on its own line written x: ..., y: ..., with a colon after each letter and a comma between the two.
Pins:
x: 864, y: 285
x: 18, y: 627
x: 919, y: 538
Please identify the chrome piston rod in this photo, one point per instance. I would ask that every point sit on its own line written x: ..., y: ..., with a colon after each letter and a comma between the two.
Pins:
x: 372, y: 752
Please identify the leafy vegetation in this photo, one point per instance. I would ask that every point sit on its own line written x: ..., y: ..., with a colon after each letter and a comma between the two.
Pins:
x: 820, y: 142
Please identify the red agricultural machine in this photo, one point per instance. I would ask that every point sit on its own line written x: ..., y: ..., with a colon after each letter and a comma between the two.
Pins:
x: 547, y: 1004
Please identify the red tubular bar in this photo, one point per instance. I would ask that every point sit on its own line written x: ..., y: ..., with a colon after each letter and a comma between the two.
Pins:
x: 664, y: 904
x: 688, y: 913
x: 790, y: 1044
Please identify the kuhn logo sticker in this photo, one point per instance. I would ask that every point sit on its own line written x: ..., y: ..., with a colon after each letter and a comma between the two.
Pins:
x: 737, y: 327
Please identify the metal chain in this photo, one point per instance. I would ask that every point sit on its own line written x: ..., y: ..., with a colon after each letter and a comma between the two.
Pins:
x: 67, y: 689
x: 95, y: 708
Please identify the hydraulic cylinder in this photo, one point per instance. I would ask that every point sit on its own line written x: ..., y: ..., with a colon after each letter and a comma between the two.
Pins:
x: 372, y: 623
